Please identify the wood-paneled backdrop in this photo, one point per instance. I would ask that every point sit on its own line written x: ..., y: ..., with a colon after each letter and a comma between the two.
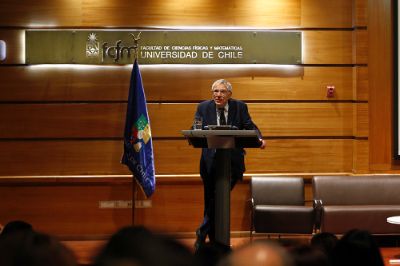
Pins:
x: 61, y: 127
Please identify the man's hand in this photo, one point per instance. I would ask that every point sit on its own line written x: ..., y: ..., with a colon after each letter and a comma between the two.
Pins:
x: 263, y: 144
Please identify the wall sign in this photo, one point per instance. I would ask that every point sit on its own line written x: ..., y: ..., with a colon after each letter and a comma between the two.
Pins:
x: 163, y: 47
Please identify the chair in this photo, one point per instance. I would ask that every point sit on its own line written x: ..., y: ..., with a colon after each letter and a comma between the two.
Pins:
x: 364, y: 202
x: 278, y: 206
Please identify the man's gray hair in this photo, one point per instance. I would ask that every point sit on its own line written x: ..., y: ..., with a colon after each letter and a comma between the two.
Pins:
x: 222, y: 81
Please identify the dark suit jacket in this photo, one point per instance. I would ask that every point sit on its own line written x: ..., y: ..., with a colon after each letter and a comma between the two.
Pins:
x: 238, y: 116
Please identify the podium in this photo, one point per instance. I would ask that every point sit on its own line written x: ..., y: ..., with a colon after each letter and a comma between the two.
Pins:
x: 222, y: 141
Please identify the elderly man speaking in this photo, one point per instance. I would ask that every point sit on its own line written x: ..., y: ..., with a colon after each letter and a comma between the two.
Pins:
x: 221, y: 110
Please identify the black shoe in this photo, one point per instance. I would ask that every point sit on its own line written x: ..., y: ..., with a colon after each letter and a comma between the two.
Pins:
x: 200, y: 240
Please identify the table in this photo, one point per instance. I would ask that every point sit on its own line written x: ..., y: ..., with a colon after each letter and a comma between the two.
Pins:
x: 393, y: 219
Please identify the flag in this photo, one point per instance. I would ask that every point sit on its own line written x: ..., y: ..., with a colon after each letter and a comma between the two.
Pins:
x: 138, y: 146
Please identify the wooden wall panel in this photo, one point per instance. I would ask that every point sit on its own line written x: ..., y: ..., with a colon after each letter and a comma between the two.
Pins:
x: 41, y: 83
x: 361, y: 156
x: 326, y: 14
x: 308, y: 194
x: 45, y: 13
x: 361, y: 121
x: 111, y: 83
x: 360, y: 83
x: 303, y: 119
x: 310, y: 85
x: 180, y: 207
x: 87, y: 13
x: 360, y: 17
x: 188, y: 13
x: 103, y: 157
x: 67, y: 209
x: 61, y: 157
x: 167, y: 120
x: 360, y: 48
x: 62, y: 120
x: 327, y: 47
x: 380, y: 60
x: 76, y: 213
x: 302, y: 155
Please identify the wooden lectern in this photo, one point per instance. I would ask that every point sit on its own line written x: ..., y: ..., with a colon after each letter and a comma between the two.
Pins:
x: 222, y: 141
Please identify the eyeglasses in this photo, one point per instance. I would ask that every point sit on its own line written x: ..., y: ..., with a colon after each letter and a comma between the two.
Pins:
x: 220, y: 91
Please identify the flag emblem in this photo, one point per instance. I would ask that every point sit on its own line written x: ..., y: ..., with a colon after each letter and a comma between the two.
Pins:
x: 141, y: 133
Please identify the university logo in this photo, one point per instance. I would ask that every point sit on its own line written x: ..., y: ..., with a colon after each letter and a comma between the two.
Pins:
x: 115, y: 52
x: 92, y: 46
x: 141, y: 133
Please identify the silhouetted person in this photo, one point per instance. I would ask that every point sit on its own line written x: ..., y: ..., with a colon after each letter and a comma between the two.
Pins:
x: 137, y: 246
x: 211, y: 253
x: 325, y: 241
x: 357, y: 248
x: 305, y: 255
x: 15, y: 227
x: 33, y: 249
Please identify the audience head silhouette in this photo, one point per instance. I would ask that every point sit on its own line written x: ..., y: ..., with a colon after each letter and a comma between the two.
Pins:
x: 305, y: 255
x: 16, y: 226
x: 357, y: 248
x: 33, y: 249
x: 20, y: 245
x: 137, y: 246
x: 325, y: 242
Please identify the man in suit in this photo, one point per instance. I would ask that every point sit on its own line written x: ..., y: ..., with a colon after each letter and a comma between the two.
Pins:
x: 221, y: 110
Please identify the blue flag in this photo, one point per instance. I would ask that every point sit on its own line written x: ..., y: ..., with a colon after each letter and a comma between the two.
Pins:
x: 138, y: 146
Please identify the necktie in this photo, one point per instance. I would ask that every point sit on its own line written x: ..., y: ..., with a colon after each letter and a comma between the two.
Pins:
x: 222, y: 120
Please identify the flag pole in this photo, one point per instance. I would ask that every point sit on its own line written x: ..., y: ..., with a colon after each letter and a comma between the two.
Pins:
x: 134, y: 196
x: 134, y: 181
